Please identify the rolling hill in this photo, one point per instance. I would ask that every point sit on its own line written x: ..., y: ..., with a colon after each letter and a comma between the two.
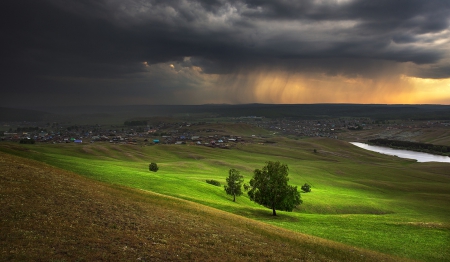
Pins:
x: 49, y: 214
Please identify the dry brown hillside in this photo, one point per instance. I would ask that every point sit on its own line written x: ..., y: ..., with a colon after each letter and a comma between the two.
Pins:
x: 48, y: 214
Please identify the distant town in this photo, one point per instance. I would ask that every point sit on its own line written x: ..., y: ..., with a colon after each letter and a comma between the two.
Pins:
x: 143, y: 132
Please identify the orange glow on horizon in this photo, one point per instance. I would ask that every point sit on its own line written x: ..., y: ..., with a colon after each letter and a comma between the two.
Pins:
x: 431, y: 91
x: 284, y: 88
x: 190, y: 85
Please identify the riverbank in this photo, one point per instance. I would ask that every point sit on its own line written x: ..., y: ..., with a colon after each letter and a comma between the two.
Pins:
x: 412, y: 146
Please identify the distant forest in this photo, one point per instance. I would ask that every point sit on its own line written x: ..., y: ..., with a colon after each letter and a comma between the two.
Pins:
x: 294, y: 111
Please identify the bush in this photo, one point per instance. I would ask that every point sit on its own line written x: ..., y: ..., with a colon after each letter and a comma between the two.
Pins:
x: 213, y: 182
x: 306, y: 188
x: 153, y: 167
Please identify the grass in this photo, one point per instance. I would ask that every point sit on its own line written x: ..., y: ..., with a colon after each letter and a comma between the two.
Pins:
x: 359, y: 198
x: 49, y: 214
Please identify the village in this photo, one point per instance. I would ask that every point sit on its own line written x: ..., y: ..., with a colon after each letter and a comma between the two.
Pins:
x: 202, y: 133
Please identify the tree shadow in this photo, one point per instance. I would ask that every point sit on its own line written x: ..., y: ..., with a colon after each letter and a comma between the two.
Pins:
x: 266, y: 215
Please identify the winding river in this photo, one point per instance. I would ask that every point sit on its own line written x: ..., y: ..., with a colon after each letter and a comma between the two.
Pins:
x: 419, y: 156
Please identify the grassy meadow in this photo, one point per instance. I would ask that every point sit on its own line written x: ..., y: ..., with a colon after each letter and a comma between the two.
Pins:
x: 359, y: 198
x: 49, y: 214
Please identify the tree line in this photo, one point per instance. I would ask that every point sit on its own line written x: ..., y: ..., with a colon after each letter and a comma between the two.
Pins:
x: 414, y: 146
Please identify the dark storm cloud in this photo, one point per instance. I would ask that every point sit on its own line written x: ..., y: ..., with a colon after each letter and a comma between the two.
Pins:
x: 420, y: 16
x: 107, y: 39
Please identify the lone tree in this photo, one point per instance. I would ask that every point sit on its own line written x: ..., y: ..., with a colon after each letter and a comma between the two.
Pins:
x: 234, y: 183
x: 269, y: 187
x: 153, y: 167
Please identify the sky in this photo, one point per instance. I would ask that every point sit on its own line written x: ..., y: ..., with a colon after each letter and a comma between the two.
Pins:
x: 128, y: 52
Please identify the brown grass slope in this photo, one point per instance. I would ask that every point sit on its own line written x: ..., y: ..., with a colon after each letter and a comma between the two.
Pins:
x: 49, y: 214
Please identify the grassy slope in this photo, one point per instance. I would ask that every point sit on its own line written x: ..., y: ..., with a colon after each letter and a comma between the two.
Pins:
x: 437, y: 136
x: 360, y: 198
x: 50, y: 214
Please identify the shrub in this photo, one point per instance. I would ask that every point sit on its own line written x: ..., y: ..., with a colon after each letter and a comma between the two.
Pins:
x: 213, y: 182
x: 153, y: 167
x: 306, y: 188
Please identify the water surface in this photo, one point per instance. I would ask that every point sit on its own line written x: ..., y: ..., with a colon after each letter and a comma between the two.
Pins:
x: 419, y: 156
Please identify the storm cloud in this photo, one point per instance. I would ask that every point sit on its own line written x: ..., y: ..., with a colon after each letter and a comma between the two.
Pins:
x: 180, y: 51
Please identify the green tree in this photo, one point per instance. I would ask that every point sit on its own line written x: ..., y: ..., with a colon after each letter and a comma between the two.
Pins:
x: 153, y: 167
x: 269, y: 187
x: 306, y: 188
x: 234, y: 183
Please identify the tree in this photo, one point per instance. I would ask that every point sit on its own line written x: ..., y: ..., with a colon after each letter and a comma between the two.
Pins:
x: 269, y: 187
x: 306, y: 188
x: 153, y: 167
x: 234, y: 183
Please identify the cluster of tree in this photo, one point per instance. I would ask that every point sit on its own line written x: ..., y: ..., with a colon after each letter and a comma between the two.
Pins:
x: 135, y: 123
x: 268, y: 187
x: 27, y: 141
x: 414, y: 146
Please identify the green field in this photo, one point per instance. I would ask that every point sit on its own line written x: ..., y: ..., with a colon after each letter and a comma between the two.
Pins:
x: 359, y: 198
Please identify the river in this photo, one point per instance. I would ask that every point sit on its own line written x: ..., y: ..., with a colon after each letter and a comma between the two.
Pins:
x: 419, y: 156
